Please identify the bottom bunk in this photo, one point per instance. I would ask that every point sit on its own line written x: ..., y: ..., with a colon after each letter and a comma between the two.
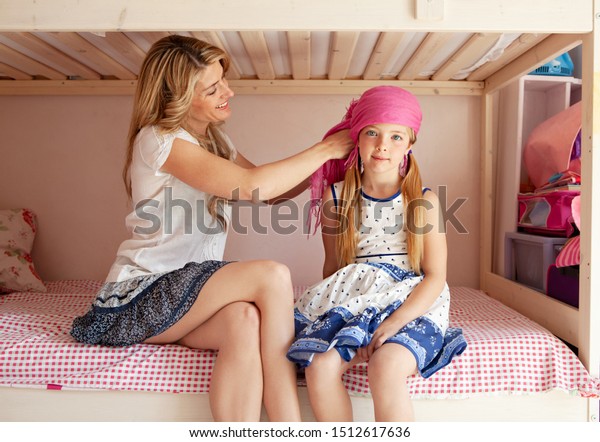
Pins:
x: 512, y: 370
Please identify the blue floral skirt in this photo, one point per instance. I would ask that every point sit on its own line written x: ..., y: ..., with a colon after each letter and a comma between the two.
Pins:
x: 131, y: 311
x: 344, y: 310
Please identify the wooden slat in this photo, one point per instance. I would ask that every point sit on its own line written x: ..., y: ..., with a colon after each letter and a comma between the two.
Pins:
x: 342, y: 48
x: 543, y: 52
x: 299, y: 50
x: 589, y: 279
x: 25, y: 64
x: 24, y: 405
x: 145, y: 39
x: 89, y: 54
x: 352, y: 87
x: 521, y: 45
x: 561, y: 319
x: 384, y: 49
x: 120, y: 47
x: 68, y: 87
x: 9, y: 71
x: 213, y: 38
x: 432, y: 43
x: 467, y: 55
x: 49, y: 55
x: 244, y: 87
x: 256, y: 45
x: 308, y: 15
x: 486, y: 212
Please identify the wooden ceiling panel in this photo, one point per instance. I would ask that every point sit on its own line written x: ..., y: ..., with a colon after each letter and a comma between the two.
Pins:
x: 256, y: 46
x: 342, y: 49
x: 79, y: 48
x: 34, y: 47
x: 298, y: 55
x: 21, y: 62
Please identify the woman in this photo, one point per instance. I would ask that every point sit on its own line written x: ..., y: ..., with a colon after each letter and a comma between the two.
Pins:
x: 169, y: 283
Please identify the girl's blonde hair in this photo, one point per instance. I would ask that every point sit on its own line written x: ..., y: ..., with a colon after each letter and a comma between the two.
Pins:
x: 164, y: 94
x: 349, y: 212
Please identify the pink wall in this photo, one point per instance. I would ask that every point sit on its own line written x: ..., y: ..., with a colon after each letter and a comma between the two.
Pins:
x: 62, y: 157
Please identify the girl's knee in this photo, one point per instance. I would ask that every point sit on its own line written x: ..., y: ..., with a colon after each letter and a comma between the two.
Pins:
x: 392, y: 360
x: 324, y: 365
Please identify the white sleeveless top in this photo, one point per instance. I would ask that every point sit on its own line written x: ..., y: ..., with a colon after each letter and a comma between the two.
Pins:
x: 382, y: 237
x: 170, y: 224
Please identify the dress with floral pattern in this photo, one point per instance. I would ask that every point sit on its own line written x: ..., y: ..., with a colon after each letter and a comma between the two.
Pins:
x: 343, y: 311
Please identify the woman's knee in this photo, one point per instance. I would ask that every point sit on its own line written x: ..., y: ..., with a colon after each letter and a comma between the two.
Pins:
x: 276, y: 273
x: 241, y: 321
x: 273, y: 277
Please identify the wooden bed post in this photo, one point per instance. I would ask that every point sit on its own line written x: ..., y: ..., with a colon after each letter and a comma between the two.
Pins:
x: 487, y: 197
x: 589, y: 292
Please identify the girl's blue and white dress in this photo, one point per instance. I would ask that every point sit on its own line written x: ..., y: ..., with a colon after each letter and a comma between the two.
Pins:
x: 343, y: 311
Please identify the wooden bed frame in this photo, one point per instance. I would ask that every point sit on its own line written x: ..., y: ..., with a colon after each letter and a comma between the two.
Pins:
x: 569, y: 27
x: 24, y: 404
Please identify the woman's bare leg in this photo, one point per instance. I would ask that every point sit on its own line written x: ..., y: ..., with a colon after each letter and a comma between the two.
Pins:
x: 268, y: 285
x: 236, y: 385
x: 328, y: 396
x: 389, y: 367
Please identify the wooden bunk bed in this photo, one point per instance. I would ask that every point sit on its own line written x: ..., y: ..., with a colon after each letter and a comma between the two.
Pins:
x: 40, y: 50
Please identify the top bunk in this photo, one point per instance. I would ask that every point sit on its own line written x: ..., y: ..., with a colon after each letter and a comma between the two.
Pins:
x: 441, y: 47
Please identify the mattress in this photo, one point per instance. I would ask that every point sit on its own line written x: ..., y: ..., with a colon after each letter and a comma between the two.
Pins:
x: 507, y: 353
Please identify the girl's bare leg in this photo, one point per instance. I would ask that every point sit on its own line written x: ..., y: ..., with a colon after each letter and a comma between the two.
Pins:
x: 389, y: 367
x: 328, y: 396
x: 268, y: 285
x: 236, y: 385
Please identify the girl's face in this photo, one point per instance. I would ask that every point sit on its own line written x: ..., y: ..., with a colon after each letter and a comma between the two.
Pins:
x: 382, y: 147
x: 211, y: 99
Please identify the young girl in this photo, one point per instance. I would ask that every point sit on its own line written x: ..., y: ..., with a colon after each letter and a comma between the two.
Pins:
x: 384, y: 298
x: 169, y: 283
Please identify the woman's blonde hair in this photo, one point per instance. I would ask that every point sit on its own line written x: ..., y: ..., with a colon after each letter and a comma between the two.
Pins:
x: 164, y: 94
x: 349, y: 210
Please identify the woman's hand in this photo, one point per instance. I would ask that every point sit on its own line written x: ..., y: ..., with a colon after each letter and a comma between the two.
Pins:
x: 339, y: 144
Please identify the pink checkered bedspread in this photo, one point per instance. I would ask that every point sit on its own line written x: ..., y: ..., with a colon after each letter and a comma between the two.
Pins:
x: 507, y: 353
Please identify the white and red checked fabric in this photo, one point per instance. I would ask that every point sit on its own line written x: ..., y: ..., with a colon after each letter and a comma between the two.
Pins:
x: 507, y: 353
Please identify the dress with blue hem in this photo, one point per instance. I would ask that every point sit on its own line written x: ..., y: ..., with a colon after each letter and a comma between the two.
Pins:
x: 344, y: 310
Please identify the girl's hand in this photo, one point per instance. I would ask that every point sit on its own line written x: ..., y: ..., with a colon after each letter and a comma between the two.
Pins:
x: 339, y: 144
x: 357, y: 359
x: 386, y: 330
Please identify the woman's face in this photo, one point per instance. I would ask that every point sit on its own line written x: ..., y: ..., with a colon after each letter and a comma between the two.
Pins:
x: 211, y: 99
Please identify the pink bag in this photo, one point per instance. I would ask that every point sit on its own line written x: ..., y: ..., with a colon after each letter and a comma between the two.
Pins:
x: 548, y: 213
x: 552, y: 146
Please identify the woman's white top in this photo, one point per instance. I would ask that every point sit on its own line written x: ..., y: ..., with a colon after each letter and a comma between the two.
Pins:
x: 170, y: 224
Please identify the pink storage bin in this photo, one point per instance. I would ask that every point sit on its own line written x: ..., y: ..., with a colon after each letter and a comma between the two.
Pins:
x: 548, y: 213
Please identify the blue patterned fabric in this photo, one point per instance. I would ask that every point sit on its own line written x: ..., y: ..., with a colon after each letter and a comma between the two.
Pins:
x: 131, y: 311
x: 343, y: 310
x: 340, y: 329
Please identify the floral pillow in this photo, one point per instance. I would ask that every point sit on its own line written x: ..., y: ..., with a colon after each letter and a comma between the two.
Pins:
x: 17, y: 231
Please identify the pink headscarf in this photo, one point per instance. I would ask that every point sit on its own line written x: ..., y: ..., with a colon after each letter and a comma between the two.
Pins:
x: 378, y: 105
